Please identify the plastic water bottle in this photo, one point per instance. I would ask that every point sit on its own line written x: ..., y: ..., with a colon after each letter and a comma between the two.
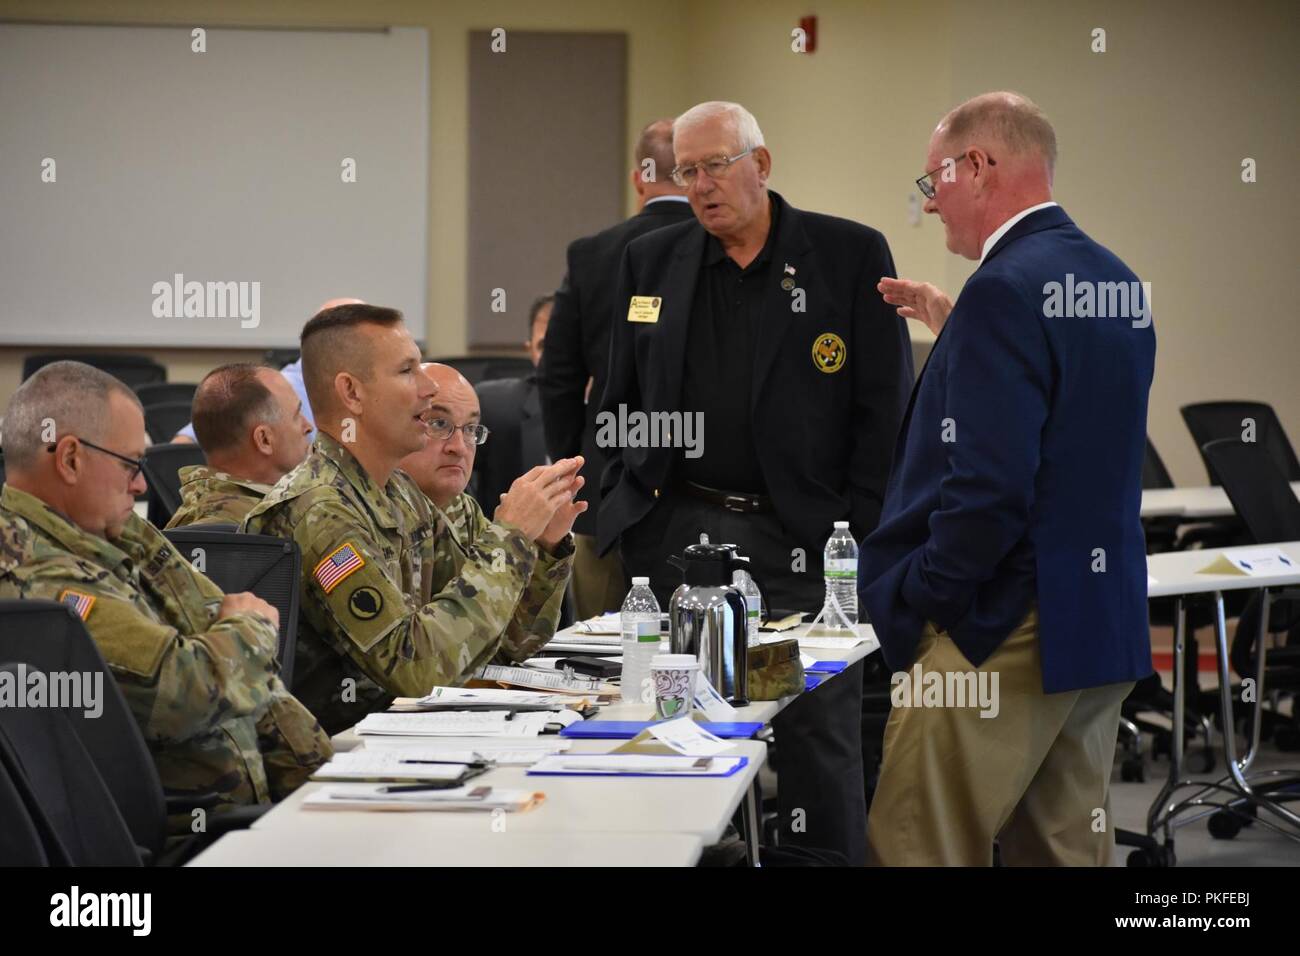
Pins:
x: 753, y: 604
x: 641, y: 641
x: 840, y: 567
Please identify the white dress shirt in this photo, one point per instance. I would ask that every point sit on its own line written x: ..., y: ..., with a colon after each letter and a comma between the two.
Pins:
x: 1003, y: 229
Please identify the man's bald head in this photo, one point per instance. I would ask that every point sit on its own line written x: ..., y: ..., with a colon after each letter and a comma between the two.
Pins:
x: 337, y: 340
x: 1002, y: 124
x: 332, y: 303
x: 442, y: 468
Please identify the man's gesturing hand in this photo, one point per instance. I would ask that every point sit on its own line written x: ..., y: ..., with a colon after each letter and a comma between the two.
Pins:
x: 917, y: 300
x: 534, y: 498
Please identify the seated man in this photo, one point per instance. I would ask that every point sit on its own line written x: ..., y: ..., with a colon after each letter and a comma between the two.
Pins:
x: 372, y: 625
x: 197, y: 667
x: 251, y: 427
x: 442, y: 470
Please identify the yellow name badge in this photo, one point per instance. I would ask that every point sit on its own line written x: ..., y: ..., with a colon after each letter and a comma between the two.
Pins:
x: 644, y: 308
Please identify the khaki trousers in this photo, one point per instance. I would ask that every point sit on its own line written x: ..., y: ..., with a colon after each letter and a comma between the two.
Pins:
x: 1036, y: 776
x: 599, y: 584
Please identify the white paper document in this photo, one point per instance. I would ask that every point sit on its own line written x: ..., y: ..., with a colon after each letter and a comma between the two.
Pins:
x: 713, y: 704
x: 354, y: 796
x: 830, y: 643
x: 483, y: 723
x: 688, y: 738
x: 616, y: 764
x: 371, y: 765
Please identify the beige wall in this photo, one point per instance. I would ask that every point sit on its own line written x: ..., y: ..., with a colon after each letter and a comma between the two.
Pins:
x: 1152, y: 134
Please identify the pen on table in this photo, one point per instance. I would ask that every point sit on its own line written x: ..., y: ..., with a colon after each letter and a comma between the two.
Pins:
x: 475, y: 764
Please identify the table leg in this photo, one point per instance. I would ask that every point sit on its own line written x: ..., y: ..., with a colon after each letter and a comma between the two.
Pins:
x: 749, y: 818
x: 1158, y: 806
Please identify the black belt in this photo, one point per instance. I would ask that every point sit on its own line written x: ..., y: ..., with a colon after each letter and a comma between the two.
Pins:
x: 731, y: 500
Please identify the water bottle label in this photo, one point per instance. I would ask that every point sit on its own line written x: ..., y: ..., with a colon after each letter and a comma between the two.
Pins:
x: 753, y: 607
x: 841, y: 568
x: 639, y: 631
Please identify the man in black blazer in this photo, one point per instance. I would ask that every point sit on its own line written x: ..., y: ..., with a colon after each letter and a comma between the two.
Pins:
x: 779, y: 377
x: 513, y: 416
x: 576, y: 357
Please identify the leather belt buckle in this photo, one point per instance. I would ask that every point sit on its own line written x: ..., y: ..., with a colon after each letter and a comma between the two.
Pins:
x: 737, y: 503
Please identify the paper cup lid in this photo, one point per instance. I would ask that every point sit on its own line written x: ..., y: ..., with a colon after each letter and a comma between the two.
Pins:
x: 673, y: 660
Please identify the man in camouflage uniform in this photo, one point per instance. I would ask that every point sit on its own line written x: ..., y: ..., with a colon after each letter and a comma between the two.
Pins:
x: 373, y: 626
x: 442, y: 470
x: 197, y: 667
x: 250, y: 425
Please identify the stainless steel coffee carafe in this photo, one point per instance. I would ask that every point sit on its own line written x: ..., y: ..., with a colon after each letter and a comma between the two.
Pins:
x: 706, y: 617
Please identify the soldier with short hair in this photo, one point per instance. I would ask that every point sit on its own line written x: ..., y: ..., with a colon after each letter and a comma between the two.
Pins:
x: 197, y: 667
x: 250, y: 425
x: 373, y: 627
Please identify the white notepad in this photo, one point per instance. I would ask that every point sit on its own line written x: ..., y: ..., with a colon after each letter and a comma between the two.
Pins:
x: 365, y: 765
x: 351, y: 796
x: 485, y: 723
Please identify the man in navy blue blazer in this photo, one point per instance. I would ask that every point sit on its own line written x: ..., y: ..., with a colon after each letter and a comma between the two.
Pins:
x: 1006, y: 579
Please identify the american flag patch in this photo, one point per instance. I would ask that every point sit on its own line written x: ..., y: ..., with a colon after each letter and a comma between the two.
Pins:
x: 336, y: 566
x: 80, y: 603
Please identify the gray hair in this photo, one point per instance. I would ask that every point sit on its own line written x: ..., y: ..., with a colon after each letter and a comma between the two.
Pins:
x: 743, y: 124
x: 1009, y: 119
x: 62, y: 398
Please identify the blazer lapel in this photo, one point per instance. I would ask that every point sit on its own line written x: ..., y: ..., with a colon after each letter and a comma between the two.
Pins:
x: 678, y: 295
x: 790, y: 248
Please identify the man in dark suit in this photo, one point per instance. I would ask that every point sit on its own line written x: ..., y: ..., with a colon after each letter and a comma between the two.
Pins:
x: 572, y: 373
x: 1010, y: 558
x: 757, y: 321
x: 512, y: 414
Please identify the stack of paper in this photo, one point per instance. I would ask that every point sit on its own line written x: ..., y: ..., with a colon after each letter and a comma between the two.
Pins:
x: 480, y: 723
x: 483, y: 723
x: 379, y: 767
x: 491, y: 698
x: 373, y: 797
x: 597, y: 765
x: 546, y: 678
x: 503, y: 751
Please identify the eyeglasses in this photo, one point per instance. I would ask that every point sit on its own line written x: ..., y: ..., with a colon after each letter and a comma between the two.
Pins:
x: 716, y: 168
x: 442, y: 429
x: 135, y: 463
x: 926, y: 182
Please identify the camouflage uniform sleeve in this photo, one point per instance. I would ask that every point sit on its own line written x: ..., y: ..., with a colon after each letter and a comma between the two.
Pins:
x: 291, y: 740
x: 538, y: 612
x: 177, y: 686
x: 405, y: 647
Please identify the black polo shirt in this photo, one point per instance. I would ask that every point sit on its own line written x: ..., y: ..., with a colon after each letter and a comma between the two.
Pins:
x: 719, y: 373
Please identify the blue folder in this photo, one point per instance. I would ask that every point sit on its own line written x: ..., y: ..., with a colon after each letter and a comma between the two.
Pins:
x: 825, y: 667
x: 627, y: 729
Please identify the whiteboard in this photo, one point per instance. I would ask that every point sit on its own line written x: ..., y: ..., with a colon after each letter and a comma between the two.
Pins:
x: 225, y: 168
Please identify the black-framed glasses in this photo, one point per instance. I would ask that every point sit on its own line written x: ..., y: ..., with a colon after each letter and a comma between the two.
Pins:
x: 442, y: 429
x: 136, y: 463
x: 926, y: 182
x: 716, y: 168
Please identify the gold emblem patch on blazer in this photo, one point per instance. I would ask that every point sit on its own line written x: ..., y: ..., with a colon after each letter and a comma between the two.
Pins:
x: 828, y: 352
x: 644, y: 308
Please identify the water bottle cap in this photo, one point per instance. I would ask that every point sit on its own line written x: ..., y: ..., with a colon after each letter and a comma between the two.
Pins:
x: 841, y: 524
x: 637, y: 582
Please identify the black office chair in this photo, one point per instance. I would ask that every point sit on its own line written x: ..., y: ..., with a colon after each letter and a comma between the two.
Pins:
x: 269, y: 567
x: 47, y: 636
x: 164, y: 420
x: 132, y: 370
x: 1262, y: 496
x: 60, y: 786
x: 162, y: 465
x: 484, y: 368
x: 1211, y: 421
x: 21, y: 843
x: 156, y: 393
